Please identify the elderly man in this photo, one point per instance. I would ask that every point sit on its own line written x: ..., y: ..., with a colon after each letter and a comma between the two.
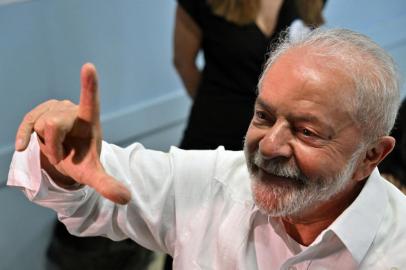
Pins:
x: 306, y: 193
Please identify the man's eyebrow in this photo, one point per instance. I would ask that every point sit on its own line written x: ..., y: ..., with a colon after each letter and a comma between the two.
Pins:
x: 297, y: 118
x: 263, y: 104
x: 328, y: 129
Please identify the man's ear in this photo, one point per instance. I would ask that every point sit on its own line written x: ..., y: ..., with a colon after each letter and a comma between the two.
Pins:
x: 374, y: 155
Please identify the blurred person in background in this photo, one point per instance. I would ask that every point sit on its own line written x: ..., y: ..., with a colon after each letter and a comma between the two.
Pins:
x: 69, y: 252
x: 235, y: 37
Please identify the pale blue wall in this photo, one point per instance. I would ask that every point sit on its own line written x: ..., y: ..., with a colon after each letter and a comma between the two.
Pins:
x: 383, y: 21
x: 43, y: 43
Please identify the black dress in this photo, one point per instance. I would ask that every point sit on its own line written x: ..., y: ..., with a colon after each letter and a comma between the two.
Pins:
x: 234, y: 56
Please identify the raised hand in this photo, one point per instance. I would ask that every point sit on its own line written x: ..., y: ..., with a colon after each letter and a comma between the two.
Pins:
x: 70, y: 140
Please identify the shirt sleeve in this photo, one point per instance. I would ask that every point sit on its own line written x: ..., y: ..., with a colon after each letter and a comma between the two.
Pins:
x: 146, y: 219
x: 166, y: 189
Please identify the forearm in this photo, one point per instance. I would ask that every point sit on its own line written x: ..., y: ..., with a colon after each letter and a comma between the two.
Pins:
x: 85, y: 212
x: 81, y: 209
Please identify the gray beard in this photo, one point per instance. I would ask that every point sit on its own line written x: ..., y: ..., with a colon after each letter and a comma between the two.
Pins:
x: 299, y: 192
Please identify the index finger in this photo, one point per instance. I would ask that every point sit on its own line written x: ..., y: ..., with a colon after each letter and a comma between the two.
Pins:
x: 89, y: 108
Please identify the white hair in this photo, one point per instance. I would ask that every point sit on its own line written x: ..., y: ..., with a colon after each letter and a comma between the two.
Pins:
x: 371, y: 70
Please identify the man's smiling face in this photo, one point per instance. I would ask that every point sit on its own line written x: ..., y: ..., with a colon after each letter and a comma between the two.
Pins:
x: 303, y: 144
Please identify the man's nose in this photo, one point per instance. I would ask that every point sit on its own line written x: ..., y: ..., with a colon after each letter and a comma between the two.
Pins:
x: 277, y: 141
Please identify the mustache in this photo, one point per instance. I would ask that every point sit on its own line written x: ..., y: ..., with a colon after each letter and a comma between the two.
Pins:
x: 278, y: 167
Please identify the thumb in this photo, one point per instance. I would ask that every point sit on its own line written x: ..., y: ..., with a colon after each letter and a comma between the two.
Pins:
x: 89, y: 105
x: 110, y: 188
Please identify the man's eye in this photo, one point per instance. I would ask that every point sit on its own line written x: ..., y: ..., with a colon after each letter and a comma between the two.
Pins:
x: 307, y: 132
x: 260, y: 115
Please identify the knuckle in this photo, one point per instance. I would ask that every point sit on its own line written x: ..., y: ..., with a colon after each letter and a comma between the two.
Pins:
x: 53, y: 122
x: 29, y: 118
x: 67, y: 102
x: 52, y: 104
x: 52, y: 101
x: 67, y: 107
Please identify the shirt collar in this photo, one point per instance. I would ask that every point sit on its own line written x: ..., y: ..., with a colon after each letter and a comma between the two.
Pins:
x: 356, y: 227
x: 358, y: 224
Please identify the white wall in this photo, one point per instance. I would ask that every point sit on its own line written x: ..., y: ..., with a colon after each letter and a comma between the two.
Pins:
x: 43, y: 43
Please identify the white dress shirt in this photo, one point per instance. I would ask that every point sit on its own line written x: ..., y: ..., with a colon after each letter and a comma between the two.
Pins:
x: 197, y: 206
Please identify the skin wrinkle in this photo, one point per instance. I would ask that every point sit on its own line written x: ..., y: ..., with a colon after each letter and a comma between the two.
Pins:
x: 324, y: 161
x: 307, y: 118
x: 334, y: 153
x: 301, y: 87
x: 296, y: 188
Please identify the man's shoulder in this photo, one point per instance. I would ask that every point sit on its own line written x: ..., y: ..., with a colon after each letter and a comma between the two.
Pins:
x: 389, y: 241
x: 219, y: 165
x: 232, y: 174
x: 388, y: 245
x: 393, y: 219
x: 219, y: 170
x: 220, y: 158
x: 397, y: 200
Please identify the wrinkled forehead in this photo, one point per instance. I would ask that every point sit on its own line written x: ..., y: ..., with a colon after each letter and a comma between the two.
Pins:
x: 302, y: 75
x: 312, y: 64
